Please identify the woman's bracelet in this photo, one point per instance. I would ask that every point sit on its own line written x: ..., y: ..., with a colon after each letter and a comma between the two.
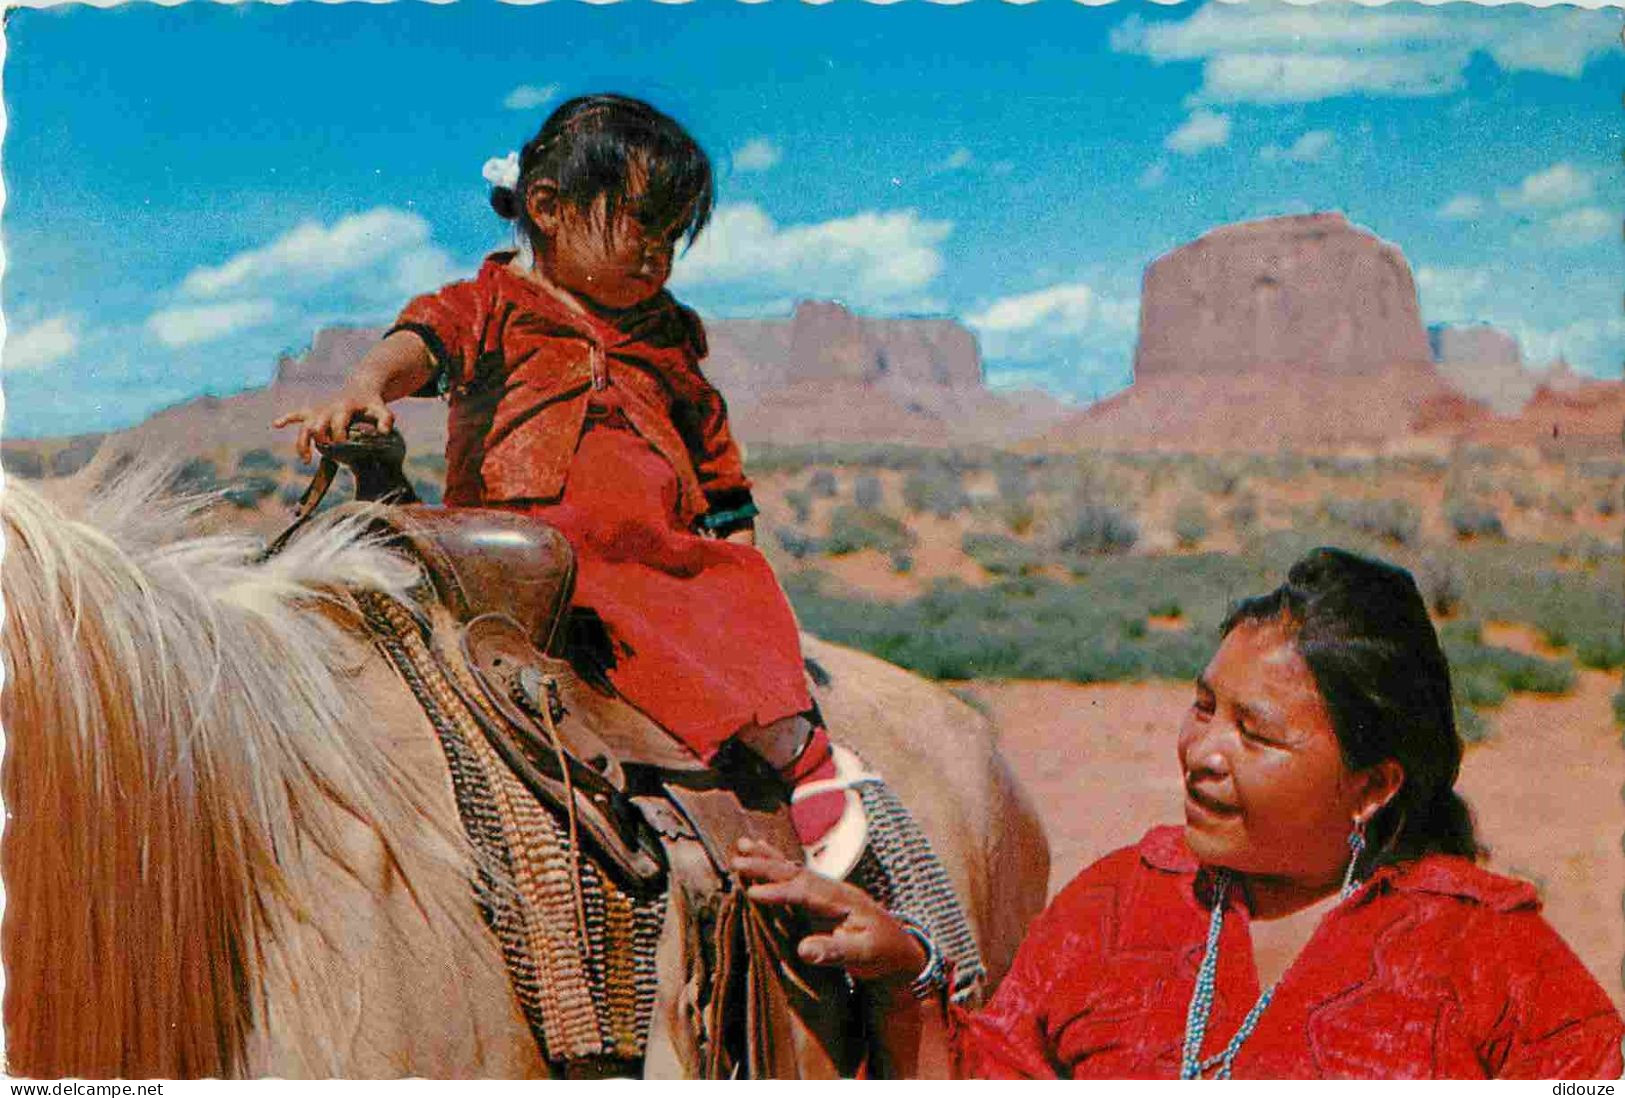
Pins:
x: 934, y: 976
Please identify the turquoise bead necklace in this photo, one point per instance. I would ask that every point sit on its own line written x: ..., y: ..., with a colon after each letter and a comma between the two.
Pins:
x: 1191, y: 1065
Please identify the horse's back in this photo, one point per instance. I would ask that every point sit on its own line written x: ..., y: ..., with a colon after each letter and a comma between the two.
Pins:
x: 942, y: 758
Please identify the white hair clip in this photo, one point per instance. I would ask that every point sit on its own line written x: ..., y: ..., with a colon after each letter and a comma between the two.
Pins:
x: 502, y: 171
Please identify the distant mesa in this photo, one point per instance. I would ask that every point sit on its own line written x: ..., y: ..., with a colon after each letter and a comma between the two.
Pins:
x: 1486, y: 364
x: 1307, y: 294
x: 1299, y: 331
x: 823, y: 375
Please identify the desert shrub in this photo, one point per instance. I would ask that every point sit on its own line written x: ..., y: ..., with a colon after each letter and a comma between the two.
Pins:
x: 1439, y: 579
x: 291, y: 493
x: 1607, y: 505
x: 432, y: 461
x: 1243, y: 514
x: 937, y: 489
x: 1588, y: 549
x: 1394, y: 520
x: 197, y: 475
x: 259, y: 459
x: 1561, y: 503
x: 1000, y: 555
x: 18, y: 462
x: 246, y: 492
x: 800, y: 504
x: 1097, y: 528
x: 822, y: 485
x: 75, y: 455
x: 852, y: 528
x: 1168, y: 608
x: 798, y: 543
x: 1036, y: 628
x: 1338, y: 465
x: 1619, y: 707
x: 1523, y: 497
x: 1471, y: 725
x: 1473, y: 519
x: 902, y: 562
x: 1487, y: 673
x: 1215, y: 477
x: 1190, y: 523
x: 1601, y: 653
x: 866, y: 491
x: 429, y: 491
x: 1012, y: 479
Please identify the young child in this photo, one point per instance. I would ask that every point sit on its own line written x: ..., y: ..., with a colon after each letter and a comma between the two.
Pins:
x: 575, y: 395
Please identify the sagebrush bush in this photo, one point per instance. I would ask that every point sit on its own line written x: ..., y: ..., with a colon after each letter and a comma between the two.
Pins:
x: 18, y: 462
x: 800, y: 504
x: 246, y: 492
x: 1392, y: 519
x: 1098, y: 528
x: 198, y: 474
x: 866, y: 491
x: 1190, y: 523
x: 798, y: 543
x: 1473, y: 519
x: 259, y: 459
x: 75, y: 455
x: 936, y: 489
x: 852, y: 528
x: 822, y: 484
x: 1439, y: 579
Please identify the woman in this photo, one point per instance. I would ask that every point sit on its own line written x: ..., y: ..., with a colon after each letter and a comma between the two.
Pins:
x: 1319, y: 915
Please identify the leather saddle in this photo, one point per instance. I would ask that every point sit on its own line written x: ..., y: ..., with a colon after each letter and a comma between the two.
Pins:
x: 640, y: 799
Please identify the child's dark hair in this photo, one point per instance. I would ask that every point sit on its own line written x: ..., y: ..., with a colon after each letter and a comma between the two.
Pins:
x: 617, y: 148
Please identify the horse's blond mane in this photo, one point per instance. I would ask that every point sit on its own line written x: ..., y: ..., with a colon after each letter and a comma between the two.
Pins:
x: 176, y: 736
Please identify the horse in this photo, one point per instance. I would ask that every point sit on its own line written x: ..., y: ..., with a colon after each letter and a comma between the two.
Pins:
x: 233, y: 849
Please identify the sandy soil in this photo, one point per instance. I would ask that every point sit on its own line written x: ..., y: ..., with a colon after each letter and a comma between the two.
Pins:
x: 1545, y: 788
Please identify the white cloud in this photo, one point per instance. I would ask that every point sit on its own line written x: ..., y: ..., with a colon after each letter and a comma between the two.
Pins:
x: 1296, y: 53
x: 756, y: 155
x: 186, y: 325
x: 528, y: 97
x: 1056, y: 323
x: 1154, y: 175
x: 1594, y: 343
x: 1559, y: 185
x: 1449, y: 294
x: 872, y: 259
x: 959, y: 158
x: 1201, y: 131
x: 1586, y: 225
x: 1308, y: 148
x: 40, y: 345
x: 1462, y: 207
x: 312, y: 254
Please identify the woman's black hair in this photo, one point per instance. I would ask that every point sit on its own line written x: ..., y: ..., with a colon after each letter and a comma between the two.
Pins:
x: 1362, y: 627
x: 616, y: 148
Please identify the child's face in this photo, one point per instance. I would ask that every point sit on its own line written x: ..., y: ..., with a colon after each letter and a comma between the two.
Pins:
x: 616, y: 263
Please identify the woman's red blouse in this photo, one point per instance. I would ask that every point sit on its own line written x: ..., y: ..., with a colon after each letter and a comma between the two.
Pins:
x: 1433, y: 969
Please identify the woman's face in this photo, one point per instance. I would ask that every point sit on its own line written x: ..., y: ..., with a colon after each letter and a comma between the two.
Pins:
x: 1266, y: 789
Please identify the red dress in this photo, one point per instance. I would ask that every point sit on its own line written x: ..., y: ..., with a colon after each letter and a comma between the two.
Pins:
x: 608, y: 430
x: 1435, y: 969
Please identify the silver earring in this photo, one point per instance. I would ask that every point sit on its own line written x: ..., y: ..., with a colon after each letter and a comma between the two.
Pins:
x: 1356, y: 848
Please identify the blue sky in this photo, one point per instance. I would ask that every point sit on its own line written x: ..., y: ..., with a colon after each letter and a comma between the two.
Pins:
x: 192, y: 190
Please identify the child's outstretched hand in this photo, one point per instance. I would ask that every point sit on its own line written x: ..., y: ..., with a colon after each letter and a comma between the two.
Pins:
x: 853, y: 931
x: 327, y: 423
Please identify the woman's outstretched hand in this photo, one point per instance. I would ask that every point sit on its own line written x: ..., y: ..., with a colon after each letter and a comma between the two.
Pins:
x: 851, y: 930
